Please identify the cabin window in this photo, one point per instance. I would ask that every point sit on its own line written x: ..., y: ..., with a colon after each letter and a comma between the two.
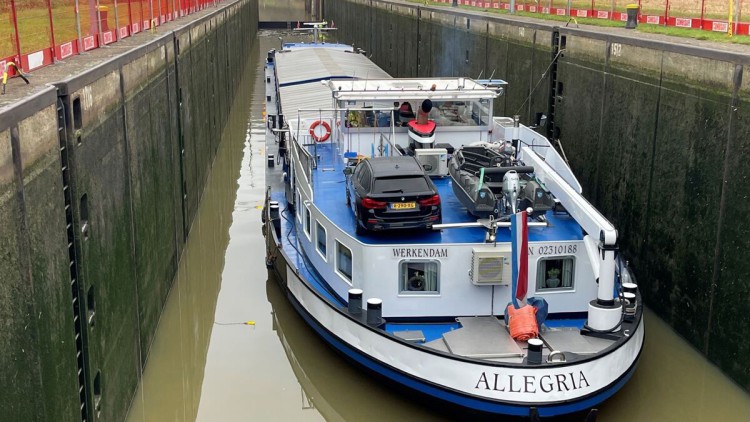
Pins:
x: 344, y: 261
x: 298, y: 206
x: 461, y: 113
x: 555, y: 274
x: 419, y: 277
x: 307, y: 221
x: 320, y: 237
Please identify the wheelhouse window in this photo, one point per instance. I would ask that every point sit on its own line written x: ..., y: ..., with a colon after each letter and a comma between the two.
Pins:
x: 320, y: 238
x: 307, y: 221
x: 344, y: 261
x: 555, y: 274
x: 419, y: 277
x: 461, y: 113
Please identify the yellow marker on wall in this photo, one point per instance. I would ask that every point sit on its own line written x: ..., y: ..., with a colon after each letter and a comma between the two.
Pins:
x: 5, y: 74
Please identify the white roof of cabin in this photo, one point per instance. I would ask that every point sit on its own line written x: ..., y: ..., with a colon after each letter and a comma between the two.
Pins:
x: 411, y: 89
x: 300, y: 73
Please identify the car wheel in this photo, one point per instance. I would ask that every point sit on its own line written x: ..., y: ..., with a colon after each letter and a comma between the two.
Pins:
x: 348, y: 200
x: 358, y: 229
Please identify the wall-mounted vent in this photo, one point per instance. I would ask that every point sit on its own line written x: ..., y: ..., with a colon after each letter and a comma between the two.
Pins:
x: 491, y: 266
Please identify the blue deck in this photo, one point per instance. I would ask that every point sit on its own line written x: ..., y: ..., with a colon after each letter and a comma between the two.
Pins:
x: 330, y: 195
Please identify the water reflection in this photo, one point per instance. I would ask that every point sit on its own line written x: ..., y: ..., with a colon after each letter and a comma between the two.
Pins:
x: 328, y: 383
x: 675, y: 383
x: 171, y: 385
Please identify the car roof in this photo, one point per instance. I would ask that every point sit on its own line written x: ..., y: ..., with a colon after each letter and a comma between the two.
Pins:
x: 395, y: 166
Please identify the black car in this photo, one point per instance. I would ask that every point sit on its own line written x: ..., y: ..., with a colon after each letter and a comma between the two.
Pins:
x: 389, y: 193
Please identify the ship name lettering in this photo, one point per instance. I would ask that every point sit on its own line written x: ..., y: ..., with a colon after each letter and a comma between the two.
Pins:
x: 528, y: 382
x: 420, y: 252
x: 546, y: 386
x: 531, y: 383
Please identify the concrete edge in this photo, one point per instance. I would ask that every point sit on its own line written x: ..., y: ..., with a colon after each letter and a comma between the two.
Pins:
x: 691, y: 50
x: 75, y: 82
x: 78, y: 81
x: 15, y: 113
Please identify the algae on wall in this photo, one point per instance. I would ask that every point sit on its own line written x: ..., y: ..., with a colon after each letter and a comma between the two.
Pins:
x: 126, y: 129
x: 653, y: 131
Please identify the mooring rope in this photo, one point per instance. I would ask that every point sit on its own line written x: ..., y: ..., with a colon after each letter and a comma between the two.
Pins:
x: 544, y: 75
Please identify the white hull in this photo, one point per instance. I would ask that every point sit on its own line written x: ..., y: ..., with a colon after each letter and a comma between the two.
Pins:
x: 473, y: 360
x: 487, y: 386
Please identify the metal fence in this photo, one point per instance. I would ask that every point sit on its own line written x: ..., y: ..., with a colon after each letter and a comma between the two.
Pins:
x: 35, y: 33
x: 709, y: 15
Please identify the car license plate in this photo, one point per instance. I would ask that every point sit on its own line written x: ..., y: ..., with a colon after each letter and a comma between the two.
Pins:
x: 403, y: 205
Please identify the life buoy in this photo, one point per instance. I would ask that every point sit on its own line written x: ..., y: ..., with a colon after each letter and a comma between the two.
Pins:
x: 326, y: 134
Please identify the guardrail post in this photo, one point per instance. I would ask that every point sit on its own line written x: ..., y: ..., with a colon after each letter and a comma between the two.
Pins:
x: 15, y: 30
x: 99, y: 24
x: 117, y: 23
x: 78, y: 28
x: 51, y: 31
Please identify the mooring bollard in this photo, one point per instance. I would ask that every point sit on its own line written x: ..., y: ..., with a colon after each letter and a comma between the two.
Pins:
x: 274, y: 213
x: 632, y: 16
x: 355, y: 301
x: 374, y: 312
x: 629, y: 287
x: 534, y: 355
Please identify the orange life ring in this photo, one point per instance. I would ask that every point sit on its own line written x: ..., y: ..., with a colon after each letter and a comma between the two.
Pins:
x: 327, y: 128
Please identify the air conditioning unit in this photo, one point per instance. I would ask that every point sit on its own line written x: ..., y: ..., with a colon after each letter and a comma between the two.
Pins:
x: 491, y: 266
x: 434, y: 161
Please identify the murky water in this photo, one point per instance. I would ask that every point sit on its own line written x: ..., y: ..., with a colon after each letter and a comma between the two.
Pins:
x: 207, y: 364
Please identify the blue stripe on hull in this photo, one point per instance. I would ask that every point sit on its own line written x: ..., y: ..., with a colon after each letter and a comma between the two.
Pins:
x: 586, y: 403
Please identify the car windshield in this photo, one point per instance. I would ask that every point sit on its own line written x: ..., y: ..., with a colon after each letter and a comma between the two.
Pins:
x: 400, y: 184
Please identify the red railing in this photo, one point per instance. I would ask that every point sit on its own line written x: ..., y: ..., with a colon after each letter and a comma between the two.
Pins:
x: 35, y: 33
x: 709, y: 15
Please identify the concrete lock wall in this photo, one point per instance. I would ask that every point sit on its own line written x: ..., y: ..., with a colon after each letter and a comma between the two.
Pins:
x: 38, y: 352
x: 654, y: 131
x: 100, y: 177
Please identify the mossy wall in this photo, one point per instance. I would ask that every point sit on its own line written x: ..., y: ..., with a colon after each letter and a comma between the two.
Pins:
x: 138, y: 134
x: 37, y: 352
x: 656, y: 133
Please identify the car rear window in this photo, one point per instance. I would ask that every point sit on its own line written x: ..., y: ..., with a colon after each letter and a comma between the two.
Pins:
x: 400, y: 185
